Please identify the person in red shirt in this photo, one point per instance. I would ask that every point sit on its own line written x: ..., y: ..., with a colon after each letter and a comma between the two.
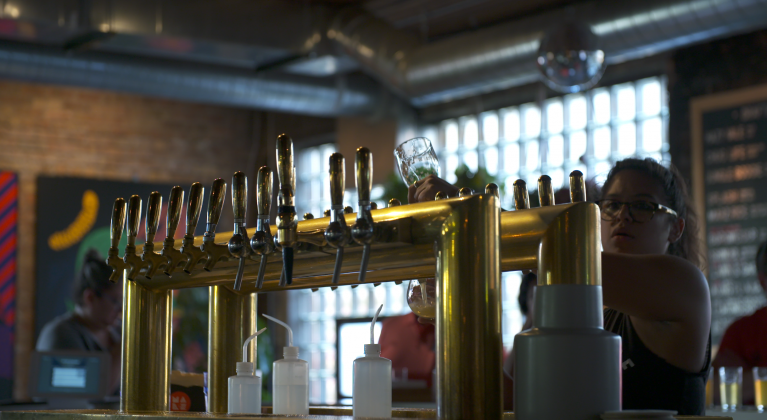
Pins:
x: 745, y: 341
x: 409, y: 344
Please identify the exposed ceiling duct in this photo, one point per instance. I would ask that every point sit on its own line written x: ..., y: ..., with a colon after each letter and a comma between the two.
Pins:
x: 504, y: 55
x: 247, y: 53
x: 233, y: 87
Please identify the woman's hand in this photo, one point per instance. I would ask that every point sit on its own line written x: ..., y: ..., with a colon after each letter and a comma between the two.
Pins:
x: 427, y: 188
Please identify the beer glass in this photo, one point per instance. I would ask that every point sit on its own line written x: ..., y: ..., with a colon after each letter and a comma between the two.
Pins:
x: 760, y: 387
x: 730, y: 385
x: 416, y: 160
x: 422, y: 297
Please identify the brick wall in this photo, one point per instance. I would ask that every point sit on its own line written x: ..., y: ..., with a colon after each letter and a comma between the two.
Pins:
x: 50, y: 130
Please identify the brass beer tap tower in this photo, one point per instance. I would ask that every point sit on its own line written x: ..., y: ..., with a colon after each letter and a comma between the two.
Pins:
x: 474, y: 243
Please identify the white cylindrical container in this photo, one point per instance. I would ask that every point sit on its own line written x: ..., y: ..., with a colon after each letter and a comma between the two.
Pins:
x: 245, y: 387
x: 291, y: 383
x: 244, y: 391
x: 372, y: 384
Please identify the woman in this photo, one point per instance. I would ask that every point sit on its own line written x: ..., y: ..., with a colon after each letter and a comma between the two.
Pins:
x: 656, y: 297
x: 94, y: 325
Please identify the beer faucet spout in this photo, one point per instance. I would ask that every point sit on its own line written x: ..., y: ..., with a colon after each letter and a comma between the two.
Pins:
x: 263, y: 242
x: 337, y: 233
x: 213, y: 251
x: 153, y: 260
x: 174, y: 258
x: 194, y: 255
x: 363, y: 229
x: 239, y: 244
x: 118, y: 225
x: 134, y: 262
x: 287, y: 229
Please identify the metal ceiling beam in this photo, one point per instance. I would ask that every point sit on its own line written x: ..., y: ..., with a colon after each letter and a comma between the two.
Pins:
x: 196, y: 83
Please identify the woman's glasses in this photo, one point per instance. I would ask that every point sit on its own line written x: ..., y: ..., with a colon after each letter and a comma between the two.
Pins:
x: 640, y: 211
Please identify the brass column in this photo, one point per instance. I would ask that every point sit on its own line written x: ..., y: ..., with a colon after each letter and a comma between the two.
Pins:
x: 469, y: 341
x: 231, y: 319
x: 145, y: 377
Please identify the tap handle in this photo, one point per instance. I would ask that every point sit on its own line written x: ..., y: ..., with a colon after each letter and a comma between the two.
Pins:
x: 118, y: 222
x: 577, y: 187
x: 153, y: 215
x: 521, y: 198
x: 134, y: 218
x: 239, y: 197
x: 216, y: 201
x: 545, y: 191
x: 175, y: 201
x: 264, y: 197
x: 364, y: 169
x: 193, y: 207
x: 337, y: 179
x: 492, y: 188
x: 285, y: 170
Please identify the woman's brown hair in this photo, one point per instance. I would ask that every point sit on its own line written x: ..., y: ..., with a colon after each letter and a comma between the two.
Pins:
x: 675, y: 190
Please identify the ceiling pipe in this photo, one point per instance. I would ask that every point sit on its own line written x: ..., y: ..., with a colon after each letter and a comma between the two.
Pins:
x: 503, y: 55
x: 182, y: 81
x: 425, y: 74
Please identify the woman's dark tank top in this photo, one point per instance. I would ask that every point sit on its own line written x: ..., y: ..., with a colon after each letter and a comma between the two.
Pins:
x: 649, y: 382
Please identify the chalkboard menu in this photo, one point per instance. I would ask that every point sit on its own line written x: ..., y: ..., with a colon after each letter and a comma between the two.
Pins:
x: 730, y: 188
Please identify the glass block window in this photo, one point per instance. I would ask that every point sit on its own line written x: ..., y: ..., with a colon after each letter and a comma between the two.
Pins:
x: 586, y: 131
x: 313, y: 180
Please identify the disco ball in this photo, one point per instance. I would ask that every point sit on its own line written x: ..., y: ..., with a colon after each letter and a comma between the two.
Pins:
x: 569, y: 58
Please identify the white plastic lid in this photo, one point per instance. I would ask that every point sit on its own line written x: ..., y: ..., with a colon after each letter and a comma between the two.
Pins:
x: 372, y: 349
x: 290, y: 351
x: 244, y: 368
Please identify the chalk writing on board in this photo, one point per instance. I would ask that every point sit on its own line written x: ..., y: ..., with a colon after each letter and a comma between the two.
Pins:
x: 735, y: 174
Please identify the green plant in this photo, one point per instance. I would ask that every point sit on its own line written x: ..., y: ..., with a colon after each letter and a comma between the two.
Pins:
x: 477, y: 180
x: 395, y: 188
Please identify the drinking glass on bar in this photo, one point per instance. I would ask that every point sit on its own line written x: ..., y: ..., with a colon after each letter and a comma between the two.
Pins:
x: 730, y: 385
x: 710, y: 388
x: 416, y: 160
x: 760, y: 387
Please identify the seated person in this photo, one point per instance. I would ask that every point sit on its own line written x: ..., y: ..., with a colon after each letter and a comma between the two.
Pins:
x: 94, y: 325
x: 745, y: 341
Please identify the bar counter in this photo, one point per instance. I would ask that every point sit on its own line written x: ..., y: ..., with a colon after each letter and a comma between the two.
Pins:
x: 319, y: 413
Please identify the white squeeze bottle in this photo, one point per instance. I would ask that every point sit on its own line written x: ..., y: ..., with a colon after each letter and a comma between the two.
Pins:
x: 245, y: 387
x: 372, y: 381
x: 290, y: 380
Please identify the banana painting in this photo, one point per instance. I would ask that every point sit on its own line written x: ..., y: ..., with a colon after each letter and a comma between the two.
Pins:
x: 82, y: 224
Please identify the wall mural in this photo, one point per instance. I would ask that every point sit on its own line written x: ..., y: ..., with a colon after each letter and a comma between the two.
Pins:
x: 8, y: 212
x: 74, y: 216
